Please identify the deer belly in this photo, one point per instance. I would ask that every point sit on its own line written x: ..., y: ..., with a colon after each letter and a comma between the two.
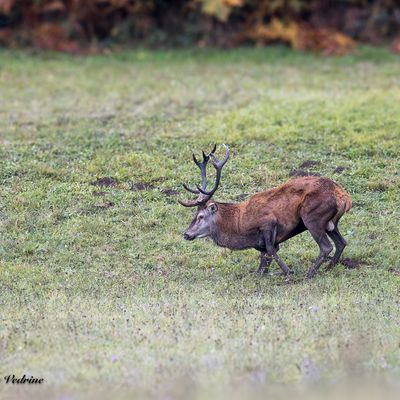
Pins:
x: 240, y: 242
x: 285, y: 233
x: 247, y: 242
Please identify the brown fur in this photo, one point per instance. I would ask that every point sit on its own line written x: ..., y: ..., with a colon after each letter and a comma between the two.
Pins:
x: 286, y: 204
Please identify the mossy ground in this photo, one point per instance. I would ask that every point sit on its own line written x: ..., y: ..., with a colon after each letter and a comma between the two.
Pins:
x: 98, y: 288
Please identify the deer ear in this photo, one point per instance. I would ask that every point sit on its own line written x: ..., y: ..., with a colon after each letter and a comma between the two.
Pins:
x: 212, y: 208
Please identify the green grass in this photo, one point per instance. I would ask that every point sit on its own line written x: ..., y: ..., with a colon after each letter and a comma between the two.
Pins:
x: 99, y: 290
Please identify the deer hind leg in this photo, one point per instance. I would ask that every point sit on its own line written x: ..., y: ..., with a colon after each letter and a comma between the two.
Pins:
x: 325, y: 247
x: 340, y: 244
x: 317, y: 217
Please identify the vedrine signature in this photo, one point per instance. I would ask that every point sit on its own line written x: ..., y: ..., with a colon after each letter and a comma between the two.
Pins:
x: 23, y: 379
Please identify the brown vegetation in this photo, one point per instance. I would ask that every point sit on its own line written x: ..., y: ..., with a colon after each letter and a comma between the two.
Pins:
x: 84, y: 26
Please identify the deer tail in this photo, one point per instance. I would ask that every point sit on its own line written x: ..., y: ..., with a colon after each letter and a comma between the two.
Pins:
x: 349, y: 203
x: 344, y: 206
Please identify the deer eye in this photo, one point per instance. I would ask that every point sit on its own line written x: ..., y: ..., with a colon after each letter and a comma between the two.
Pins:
x: 200, y: 217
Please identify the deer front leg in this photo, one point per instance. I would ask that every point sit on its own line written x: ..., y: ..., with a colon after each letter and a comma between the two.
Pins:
x: 269, y: 234
x: 265, y: 261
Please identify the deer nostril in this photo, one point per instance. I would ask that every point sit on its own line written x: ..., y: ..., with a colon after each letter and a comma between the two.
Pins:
x: 188, y: 237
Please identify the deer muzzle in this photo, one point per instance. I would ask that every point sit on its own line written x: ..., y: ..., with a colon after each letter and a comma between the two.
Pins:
x: 186, y: 236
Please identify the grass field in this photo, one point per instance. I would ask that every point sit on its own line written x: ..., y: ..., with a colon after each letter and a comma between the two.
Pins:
x: 98, y: 290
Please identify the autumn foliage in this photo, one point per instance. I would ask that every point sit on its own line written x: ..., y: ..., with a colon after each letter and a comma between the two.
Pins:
x: 82, y: 26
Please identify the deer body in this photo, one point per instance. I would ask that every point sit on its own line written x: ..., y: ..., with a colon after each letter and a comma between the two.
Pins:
x: 271, y: 217
x: 238, y: 226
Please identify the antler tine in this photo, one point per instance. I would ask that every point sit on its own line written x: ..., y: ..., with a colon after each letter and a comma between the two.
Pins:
x: 202, y: 166
x: 200, y: 190
x: 195, y: 160
x: 218, y: 166
x: 192, y: 203
x: 190, y: 189
x: 216, y: 162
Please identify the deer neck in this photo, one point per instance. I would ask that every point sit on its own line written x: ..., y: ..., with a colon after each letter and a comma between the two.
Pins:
x: 226, y: 231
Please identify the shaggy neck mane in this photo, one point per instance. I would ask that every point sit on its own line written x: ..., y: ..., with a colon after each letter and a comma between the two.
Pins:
x: 227, y: 224
x: 228, y: 212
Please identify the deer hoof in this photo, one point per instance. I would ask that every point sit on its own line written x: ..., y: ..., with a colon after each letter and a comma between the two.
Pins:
x: 258, y: 272
x: 311, y: 274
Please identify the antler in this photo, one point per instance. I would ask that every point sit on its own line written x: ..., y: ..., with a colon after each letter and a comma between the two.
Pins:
x: 205, y: 195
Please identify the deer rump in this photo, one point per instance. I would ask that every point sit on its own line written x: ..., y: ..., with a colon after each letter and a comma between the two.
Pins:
x: 271, y: 217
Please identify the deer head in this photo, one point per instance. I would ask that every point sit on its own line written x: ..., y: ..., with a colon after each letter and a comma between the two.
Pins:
x: 204, y: 220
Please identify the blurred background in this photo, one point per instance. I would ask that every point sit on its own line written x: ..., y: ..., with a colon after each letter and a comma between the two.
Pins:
x: 93, y: 26
x: 99, y: 293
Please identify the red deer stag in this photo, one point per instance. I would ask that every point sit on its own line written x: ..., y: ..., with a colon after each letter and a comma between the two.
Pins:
x: 269, y: 218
